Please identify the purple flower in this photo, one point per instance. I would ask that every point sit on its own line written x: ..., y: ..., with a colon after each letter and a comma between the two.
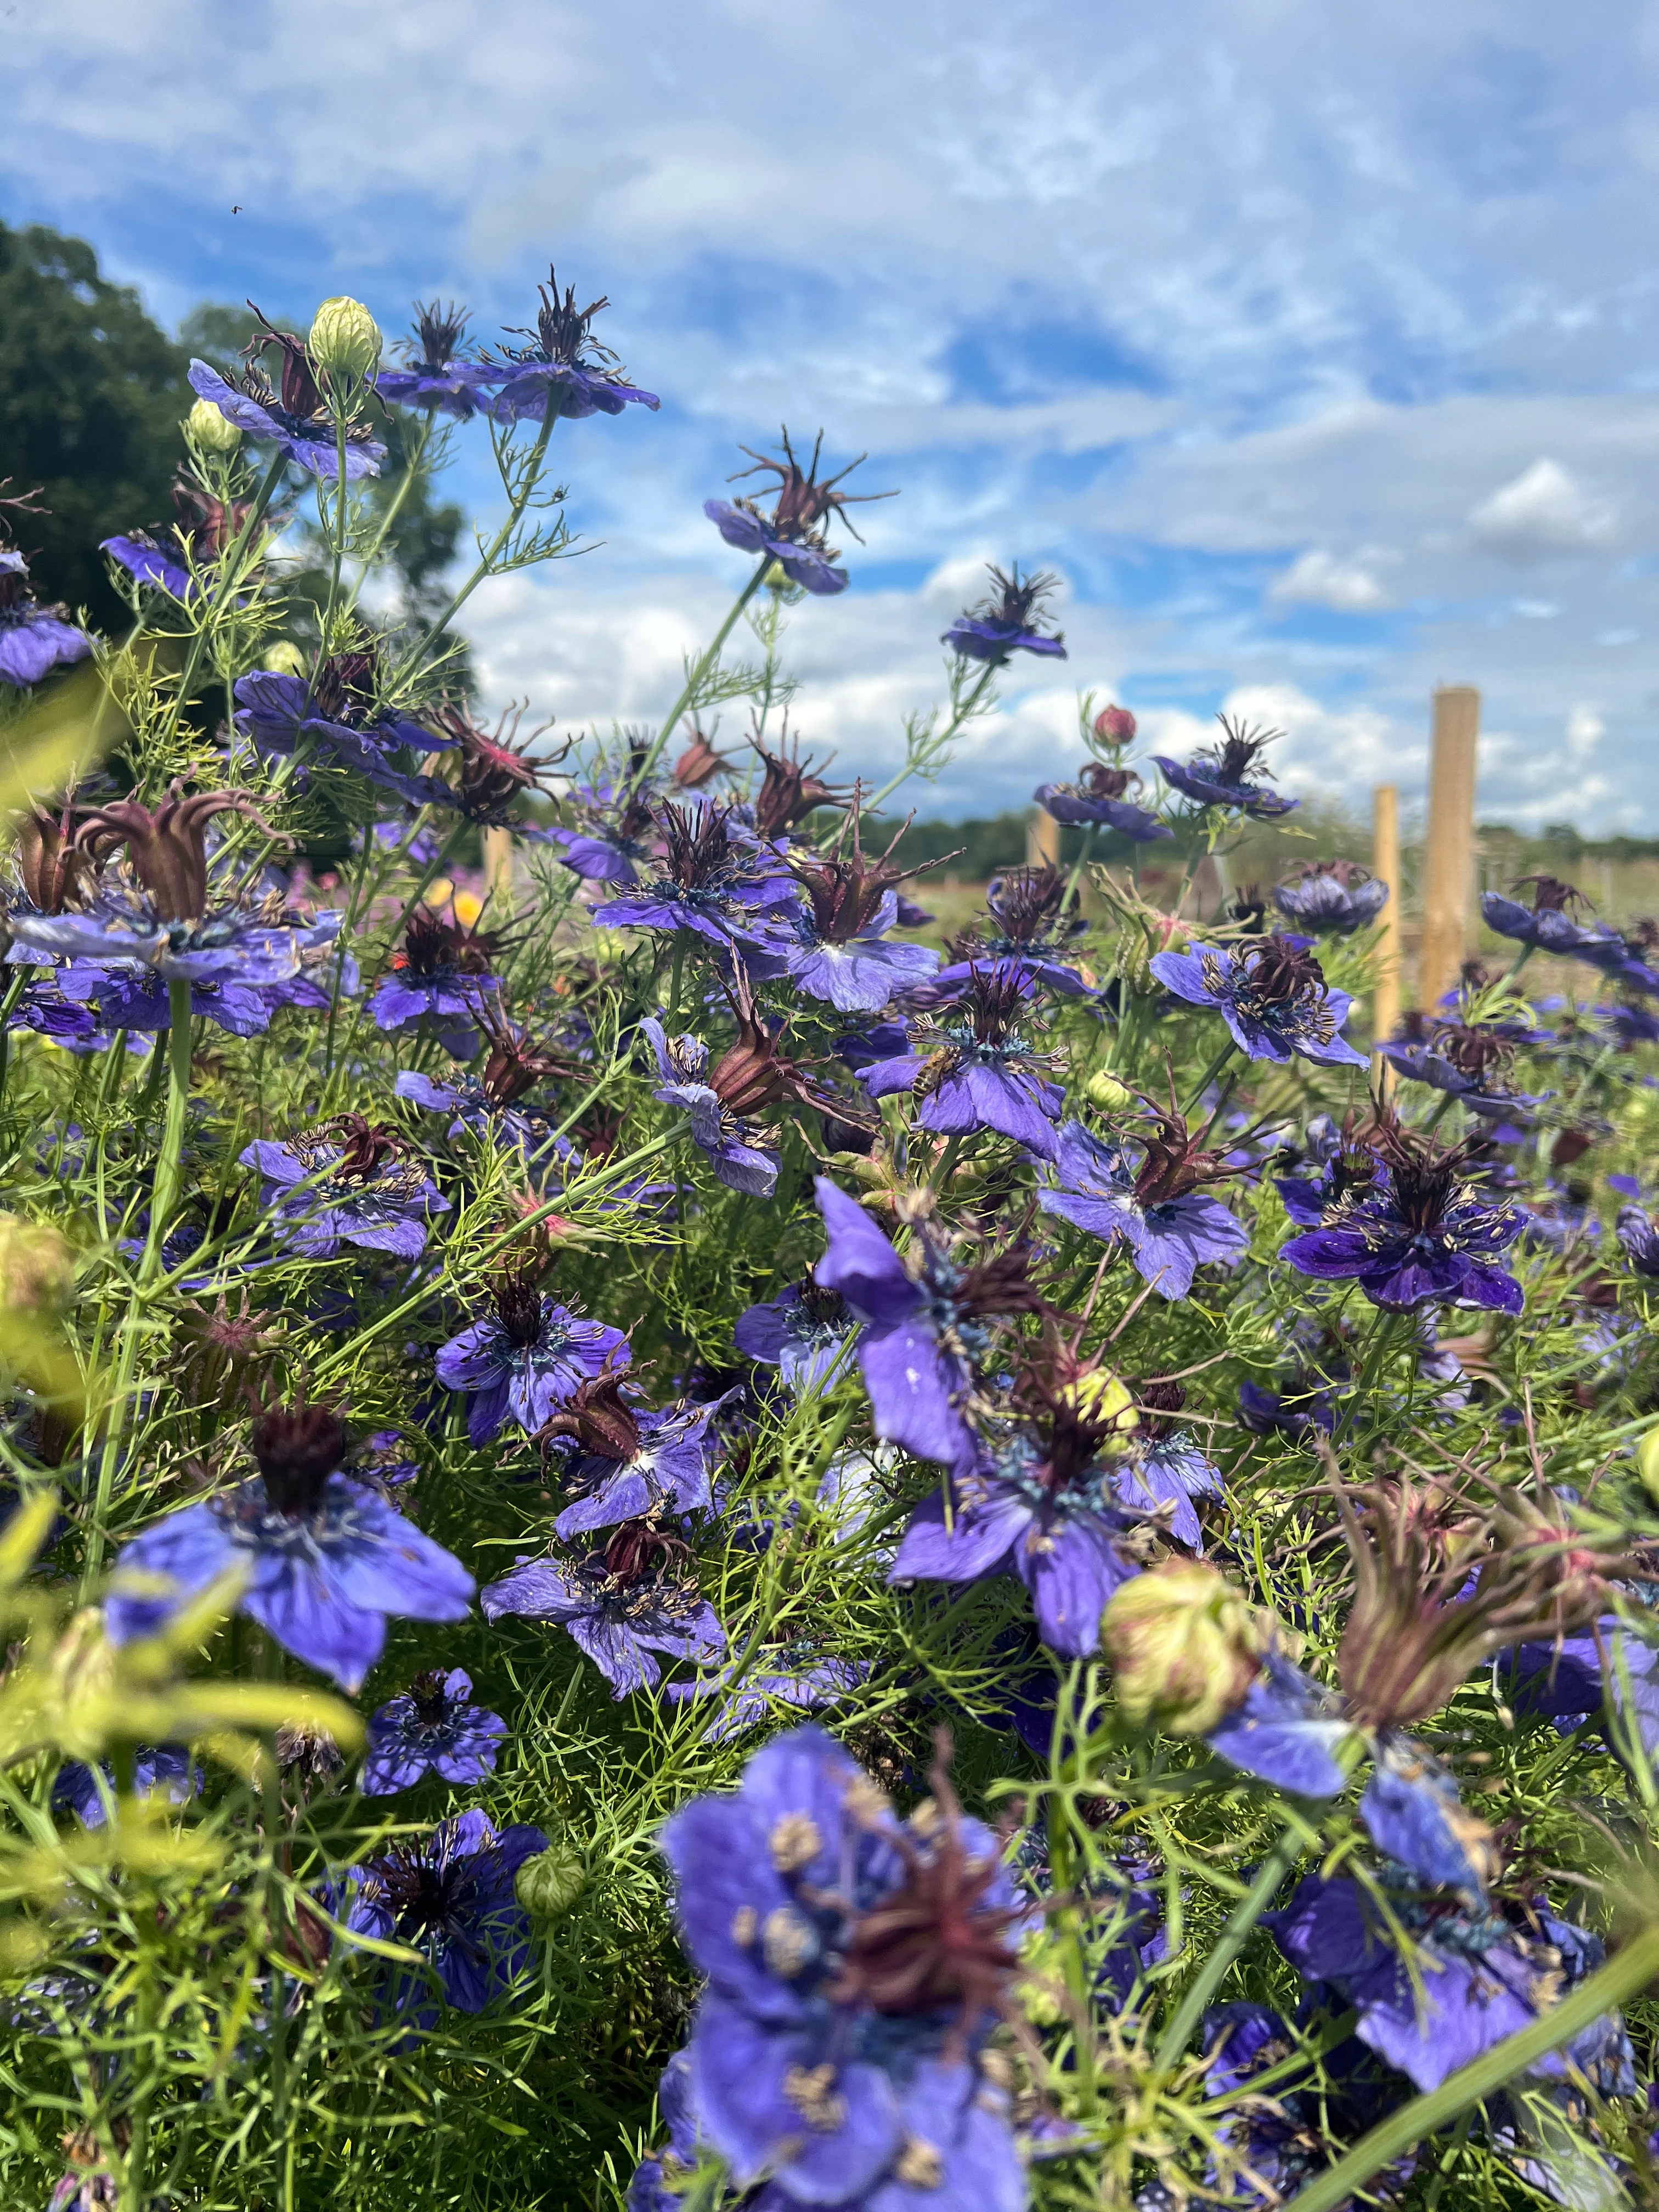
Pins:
x: 1097, y: 796
x: 434, y: 378
x: 1027, y: 937
x: 33, y: 639
x: 1337, y: 895
x: 149, y: 562
x: 844, y: 958
x: 130, y: 997
x: 443, y: 974
x: 451, y: 1898
x: 647, y: 2191
x: 525, y: 1359
x: 434, y: 1727
x: 362, y: 1186
x: 1171, y: 1228
x: 299, y: 422
x: 1272, y: 994
x: 327, y: 1559
x: 805, y: 1331
x: 1639, y: 1238
x: 710, y: 883
x: 336, y: 716
x: 855, y: 1966
x: 1547, y: 924
x: 1266, y: 1412
x: 1006, y: 623
x: 43, y: 1009
x: 1418, y: 1233
x: 975, y: 1067
x: 1467, y: 1060
x: 792, y: 534
x: 628, y: 1465
x: 798, y: 1676
x: 165, y: 1768
x: 564, y: 370
x: 1160, y: 1471
x: 630, y: 1597
x: 923, y: 1333
x: 727, y: 1140
x: 1220, y: 775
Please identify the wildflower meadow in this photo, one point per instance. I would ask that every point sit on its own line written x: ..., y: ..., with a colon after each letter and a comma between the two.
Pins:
x: 672, y: 1539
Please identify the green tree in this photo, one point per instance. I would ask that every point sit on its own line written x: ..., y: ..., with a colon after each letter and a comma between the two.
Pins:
x: 92, y: 393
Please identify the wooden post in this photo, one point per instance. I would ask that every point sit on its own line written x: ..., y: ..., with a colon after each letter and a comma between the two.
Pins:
x: 1385, y: 865
x: 498, y: 873
x: 1449, y: 861
x: 1042, y: 841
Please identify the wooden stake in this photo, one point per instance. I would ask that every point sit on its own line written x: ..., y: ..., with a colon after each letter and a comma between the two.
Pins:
x: 1448, y: 862
x: 498, y: 873
x: 1385, y: 865
x: 1042, y: 841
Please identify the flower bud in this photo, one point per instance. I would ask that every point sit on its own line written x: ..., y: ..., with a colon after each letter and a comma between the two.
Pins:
x: 208, y: 431
x: 1105, y: 1091
x: 1185, y: 1647
x: 37, y: 1269
x: 285, y: 658
x: 1104, y: 1400
x: 1647, y: 1463
x: 1114, y: 726
x: 345, y: 343
x: 550, y: 1884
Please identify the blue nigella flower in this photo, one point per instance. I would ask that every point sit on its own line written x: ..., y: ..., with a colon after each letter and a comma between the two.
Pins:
x: 328, y: 1559
x: 1639, y: 1238
x: 336, y: 717
x: 434, y: 377
x: 1006, y: 621
x: 973, y: 1067
x: 806, y: 1333
x: 856, y: 1965
x: 1027, y: 934
x: 525, y: 1358
x: 162, y: 1768
x: 649, y: 2191
x: 1160, y: 1470
x: 632, y: 1597
x: 133, y: 998
x: 33, y: 639
x: 625, y: 1463
x: 1419, y: 1232
x: 792, y: 534
x: 1221, y: 775
x: 1547, y: 925
x: 564, y: 370
x: 298, y: 419
x: 724, y: 1137
x: 710, y: 883
x: 798, y: 1676
x: 451, y: 1898
x: 202, y: 528
x: 434, y: 1727
x: 614, y: 832
x: 362, y: 1186
x: 1337, y: 895
x: 835, y: 946
x: 443, y: 974
x: 1099, y: 796
x: 1468, y: 1061
x: 1157, y: 1209
x: 1272, y: 994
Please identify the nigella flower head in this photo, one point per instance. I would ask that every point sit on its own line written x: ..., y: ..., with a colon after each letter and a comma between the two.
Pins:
x: 327, y: 1559
x: 1100, y: 795
x: 298, y: 420
x: 797, y: 1675
x: 615, y: 827
x: 492, y: 1099
x: 1469, y: 1060
x: 856, y: 1965
x: 1420, y: 1232
x: 33, y: 639
x: 632, y: 1597
x: 1344, y: 1160
x: 1041, y: 1502
x: 451, y: 1898
x: 1160, y: 1470
x: 361, y: 1185
x: 434, y: 1727
x: 1547, y: 923
x: 442, y: 972
x: 164, y: 1769
x: 201, y: 528
x: 1337, y: 895
x: 1031, y: 921
x: 1272, y: 994
x: 1224, y: 773
x: 973, y: 1066
x: 792, y: 533
x: 493, y: 771
x: 129, y: 996
x: 625, y: 1463
x: 835, y: 947
x: 806, y: 1333
x: 1157, y: 1207
x: 790, y: 787
x: 435, y: 376
x: 564, y: 370
x: 525, y: 1358
x: 1639, y: 1238
x: 1007, y: 622
x: 709, y: 883
x: 925, y: 1324
x: 338, y: 715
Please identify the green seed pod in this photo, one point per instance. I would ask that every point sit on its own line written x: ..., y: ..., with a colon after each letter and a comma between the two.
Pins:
x: 285, y: 657
x: 37, y: 1269
x: 1184, y: 1646
x: 208, y: 431
x: 550, y: 1884
x: 1647, y: 1463
x: 1108, y: 1093
x: 345, y: 343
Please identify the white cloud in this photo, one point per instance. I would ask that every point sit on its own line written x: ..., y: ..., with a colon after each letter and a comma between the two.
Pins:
x: 1585, y: 731
x: 1324, y: 580
x: 1543, y: 511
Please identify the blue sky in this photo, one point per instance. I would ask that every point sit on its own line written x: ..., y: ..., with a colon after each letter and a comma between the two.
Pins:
x: 1314, y: 348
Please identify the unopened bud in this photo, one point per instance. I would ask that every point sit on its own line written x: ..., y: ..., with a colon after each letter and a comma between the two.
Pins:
x: 346, y: 342
x: 210, y: 431
x: 1114, y: 726
x: 285, y: 658
x: 1105, y: 1091
x: 1185, y: 1647
x: 1104, y: 1400
x: 37, y: 1269
x: 1647, y: 1463
x: 550, y: 1884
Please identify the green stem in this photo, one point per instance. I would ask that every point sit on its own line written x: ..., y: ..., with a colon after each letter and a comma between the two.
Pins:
x: 1233, y: 1937
x: 411, y: 470
x: 520, y: 500
x: 230, y: 576
x: 164, y: 1193
x: 961, y: 714
x: 709, y: 659
x: 15, y: 990
x: 342, y: 519
x: 1621, y: 1979
x: 1209, y: 1077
